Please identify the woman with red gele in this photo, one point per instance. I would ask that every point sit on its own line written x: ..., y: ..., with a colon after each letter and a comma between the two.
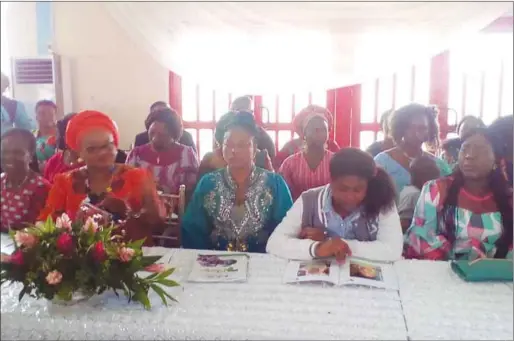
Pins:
x: 127, y: 193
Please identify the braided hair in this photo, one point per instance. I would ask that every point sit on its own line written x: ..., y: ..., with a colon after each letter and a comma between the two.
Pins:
x: 502, y: 196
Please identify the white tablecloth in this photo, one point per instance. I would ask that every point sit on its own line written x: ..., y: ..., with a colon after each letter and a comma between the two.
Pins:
x: 438, y: 305
x: 434, y: 304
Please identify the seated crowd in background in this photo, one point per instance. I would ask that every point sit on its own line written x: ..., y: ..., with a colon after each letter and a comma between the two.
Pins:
x: 345, y: 201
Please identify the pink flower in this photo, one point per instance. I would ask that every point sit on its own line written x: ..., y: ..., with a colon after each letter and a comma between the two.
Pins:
x: 63, y: 222
x: 54, y: 277
x: 90, y: 225
x: 65, y: 244
x: 17, y: 257
x: 125, y: 254
x: 25, y: 239
x: 155, y: 268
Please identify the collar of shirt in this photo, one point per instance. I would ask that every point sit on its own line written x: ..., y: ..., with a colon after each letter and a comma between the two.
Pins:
x: 335, y: 224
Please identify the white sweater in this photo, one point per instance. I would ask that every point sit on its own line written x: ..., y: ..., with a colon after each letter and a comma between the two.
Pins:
x: 388, y: 246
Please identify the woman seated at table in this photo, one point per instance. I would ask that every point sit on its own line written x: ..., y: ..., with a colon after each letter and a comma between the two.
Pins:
x: 467, y: 215
x: 23, y: 191
x: 296, y: 145
x: 66, y: 159
x: 171, y: 163
x: 353, y: 215
x: 309, y: 168
x: 236, y: 208
x: 411, y: 126
x: 450, y: 148
x: 214, y: 160
x: 125, y: 192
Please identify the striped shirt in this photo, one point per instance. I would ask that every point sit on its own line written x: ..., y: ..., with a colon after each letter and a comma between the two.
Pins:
x: 300, y: 177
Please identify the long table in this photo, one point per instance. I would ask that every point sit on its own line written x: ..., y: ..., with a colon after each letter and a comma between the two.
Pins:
x: 432, y: 303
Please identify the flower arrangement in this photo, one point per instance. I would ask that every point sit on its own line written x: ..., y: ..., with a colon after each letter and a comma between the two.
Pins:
x: 56, y: 260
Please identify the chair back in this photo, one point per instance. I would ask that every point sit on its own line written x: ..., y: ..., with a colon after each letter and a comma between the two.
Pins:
x: 174, y: 205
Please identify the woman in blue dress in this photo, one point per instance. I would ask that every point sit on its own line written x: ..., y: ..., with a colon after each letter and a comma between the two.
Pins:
x: 236, y: 208
x: 411, y: 126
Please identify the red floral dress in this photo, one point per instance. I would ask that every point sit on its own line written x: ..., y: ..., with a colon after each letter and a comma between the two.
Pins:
x: 21, y: 206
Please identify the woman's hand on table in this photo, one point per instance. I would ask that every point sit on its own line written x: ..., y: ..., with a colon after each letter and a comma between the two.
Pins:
x: 333, y: 247
x: 312, y: 233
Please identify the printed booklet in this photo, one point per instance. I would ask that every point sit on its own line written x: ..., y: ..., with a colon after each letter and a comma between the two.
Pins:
x: 353, y: 272
x: 220, y: 268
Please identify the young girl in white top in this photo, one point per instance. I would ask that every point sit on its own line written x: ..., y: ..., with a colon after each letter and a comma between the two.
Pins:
x: 353, y: 215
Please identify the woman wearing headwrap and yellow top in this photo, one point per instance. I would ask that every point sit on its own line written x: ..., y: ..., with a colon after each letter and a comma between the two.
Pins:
x: 122, y: 190
x: 296, y: 145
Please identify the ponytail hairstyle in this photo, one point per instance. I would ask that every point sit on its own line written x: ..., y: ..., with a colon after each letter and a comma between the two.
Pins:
x: 381, y: 192
x: 502, y: 196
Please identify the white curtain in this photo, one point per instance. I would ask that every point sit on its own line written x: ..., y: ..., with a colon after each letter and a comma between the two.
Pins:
x: 272, y: 46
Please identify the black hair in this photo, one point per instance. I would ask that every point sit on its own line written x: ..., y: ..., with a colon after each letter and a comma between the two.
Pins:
x: 158, y: 103
x: 46, y: 102
x: 400, y: 120
x: 384, y: 121
x: 450, y: 144
x: 381, y: 193
x: 170, y: 118
x: 501, y: 193
x: 501, y: 133
x: 25, y: 134
x: 62, y: 124
x: 463, y: 120
x: 243, y: 120
x: 221, y: 126
x: 423, y: 169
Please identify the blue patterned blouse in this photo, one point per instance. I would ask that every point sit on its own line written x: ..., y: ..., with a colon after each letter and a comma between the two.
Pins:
x: 213, y: 221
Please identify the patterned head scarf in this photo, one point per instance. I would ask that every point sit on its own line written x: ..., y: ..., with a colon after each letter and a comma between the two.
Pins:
x: 86, y: 121
x: 301, y: 119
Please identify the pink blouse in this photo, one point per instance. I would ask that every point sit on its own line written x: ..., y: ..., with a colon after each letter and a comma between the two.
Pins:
x: 300, y: 177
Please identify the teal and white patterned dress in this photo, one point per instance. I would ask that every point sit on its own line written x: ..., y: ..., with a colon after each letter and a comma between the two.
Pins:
x: 213, y: 221
x: 478, y: 225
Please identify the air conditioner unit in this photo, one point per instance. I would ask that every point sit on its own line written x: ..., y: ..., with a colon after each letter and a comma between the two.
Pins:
x: 37, y: 78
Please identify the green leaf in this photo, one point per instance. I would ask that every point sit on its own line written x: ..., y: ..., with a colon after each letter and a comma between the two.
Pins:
x: 160, y: 292
x: 168, y: 282
x: 22, y: 292
x: 154, y: 286
x: 136, y: 245
x: 149, y: 260
x: 166, y: 273
x: 142, y: 297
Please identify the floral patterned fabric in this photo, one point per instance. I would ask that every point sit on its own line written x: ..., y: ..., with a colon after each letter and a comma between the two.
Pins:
x: 213, y: 221
x: 477, y: 221
x: 22, y: 205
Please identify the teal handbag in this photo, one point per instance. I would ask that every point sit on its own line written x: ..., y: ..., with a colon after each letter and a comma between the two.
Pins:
x: 484, y: 270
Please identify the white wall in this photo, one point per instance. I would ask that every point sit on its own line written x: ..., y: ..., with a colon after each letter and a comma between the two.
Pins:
x: 108, y: 72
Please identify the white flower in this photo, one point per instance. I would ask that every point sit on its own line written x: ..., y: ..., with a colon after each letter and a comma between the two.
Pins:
x: 90, y: 225
x: 63, y: 222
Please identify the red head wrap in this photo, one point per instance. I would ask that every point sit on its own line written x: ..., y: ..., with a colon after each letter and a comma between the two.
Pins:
x: 86, y: 121
x: 301, y: 119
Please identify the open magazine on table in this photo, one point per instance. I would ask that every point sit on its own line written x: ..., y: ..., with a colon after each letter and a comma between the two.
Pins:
x: 220, y: 268
x: 354, y: 271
